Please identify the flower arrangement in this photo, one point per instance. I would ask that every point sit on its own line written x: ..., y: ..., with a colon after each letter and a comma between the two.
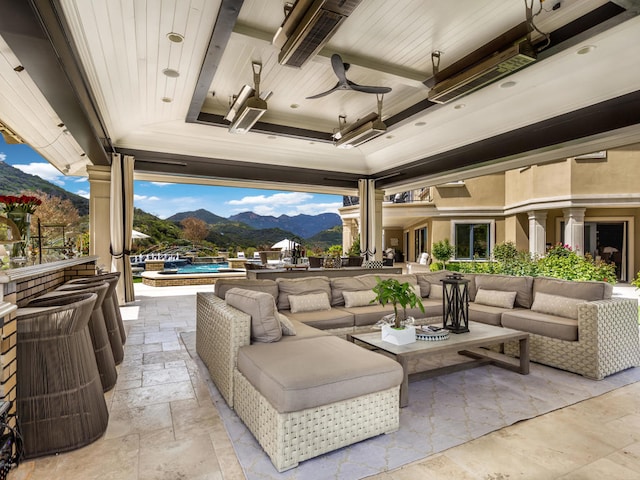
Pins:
x: 19, y: 209
x: 23, y: 203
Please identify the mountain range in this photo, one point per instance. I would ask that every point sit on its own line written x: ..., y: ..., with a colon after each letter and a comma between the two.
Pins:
x: 303, y: 226
x: 244, y: 229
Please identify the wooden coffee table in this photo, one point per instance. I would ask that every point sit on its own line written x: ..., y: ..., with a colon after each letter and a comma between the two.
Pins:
x: 468, y: 344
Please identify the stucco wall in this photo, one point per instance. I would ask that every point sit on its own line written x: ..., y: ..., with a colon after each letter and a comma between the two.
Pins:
x: 483, y: 191
x: 617, y: 174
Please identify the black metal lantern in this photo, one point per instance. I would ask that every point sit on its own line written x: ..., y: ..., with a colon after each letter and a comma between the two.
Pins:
x: 455, y: 303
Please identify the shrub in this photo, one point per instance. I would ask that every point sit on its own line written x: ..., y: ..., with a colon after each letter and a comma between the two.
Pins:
x: 443, y: 251
x: 505, y: 252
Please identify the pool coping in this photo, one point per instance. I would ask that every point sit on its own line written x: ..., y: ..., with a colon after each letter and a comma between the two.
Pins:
x: 158, y: 279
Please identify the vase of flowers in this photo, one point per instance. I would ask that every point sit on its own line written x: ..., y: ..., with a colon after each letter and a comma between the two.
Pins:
x: 19, y: 209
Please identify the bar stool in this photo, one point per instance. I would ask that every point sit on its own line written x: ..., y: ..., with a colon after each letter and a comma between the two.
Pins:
x: 110, y: 319
x: 114, y: 299
x: 60, y: 403
x: 97, y: 329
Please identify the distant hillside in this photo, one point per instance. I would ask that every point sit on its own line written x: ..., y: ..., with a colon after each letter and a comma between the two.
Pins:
x: 303, y: 226
x: 239, y: 234
x: 14, y: 181
x: 326, y: 238
x: 201, y: 214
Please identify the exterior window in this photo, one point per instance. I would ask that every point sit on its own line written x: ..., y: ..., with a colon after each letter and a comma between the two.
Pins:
x: 472, y: 240
x: 421, y: 241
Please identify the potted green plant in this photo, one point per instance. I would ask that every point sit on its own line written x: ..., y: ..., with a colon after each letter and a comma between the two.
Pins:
x: 443, y: 251
x: 390, y: 290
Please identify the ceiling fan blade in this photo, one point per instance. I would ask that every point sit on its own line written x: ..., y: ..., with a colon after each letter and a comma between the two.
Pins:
x: 338, y: 67
x: 369, y: 89
x: 337, y: 87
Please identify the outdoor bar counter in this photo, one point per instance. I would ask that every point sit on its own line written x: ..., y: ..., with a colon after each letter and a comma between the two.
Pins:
x: 272, y: 274
x: 18, y: 286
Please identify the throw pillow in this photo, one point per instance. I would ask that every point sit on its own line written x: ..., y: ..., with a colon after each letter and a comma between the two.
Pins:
x: 556, y: 305
x: 436, y: 291
x: 359, y: 298
x: 309, y: 303
x: 286, y: 325
x: 261, y: 306
x: 495, y: 298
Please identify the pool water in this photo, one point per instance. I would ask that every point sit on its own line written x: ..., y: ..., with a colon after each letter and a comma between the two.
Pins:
x: 203, y: 268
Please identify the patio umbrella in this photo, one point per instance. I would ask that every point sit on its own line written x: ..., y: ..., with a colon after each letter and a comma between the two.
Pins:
x: 285, y: 244
x: 137, y: 234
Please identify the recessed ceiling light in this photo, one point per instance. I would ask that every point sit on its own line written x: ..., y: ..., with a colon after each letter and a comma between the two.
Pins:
x: 420, y: 124
x: 294, y: 105
x: 171, y: 73
x: 389, y: 137
x: 19, y: 68
x: 586, y: 49
x: 167, y: 99
x: 175, y: 37
x: 459, y: 106
x: 508, y: 84
x: 272, y: 137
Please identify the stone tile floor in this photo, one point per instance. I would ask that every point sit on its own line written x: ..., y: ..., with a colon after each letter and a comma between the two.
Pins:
x: 163, y: 425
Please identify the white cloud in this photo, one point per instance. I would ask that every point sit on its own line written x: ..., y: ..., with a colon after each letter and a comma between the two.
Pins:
x: 3, y: 156
x: 317, y: 208
x: 83, y: 193
x: 81, y: 179
x: 145, y: 198
x: 46, y: 171
x: 274, y: 200
x: 160, y: 184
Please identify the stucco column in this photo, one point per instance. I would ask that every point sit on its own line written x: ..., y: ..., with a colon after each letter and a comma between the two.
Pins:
x: 349, y: 233
x: 99, y: 207
x: 537, y: 232
x: 574, y: 228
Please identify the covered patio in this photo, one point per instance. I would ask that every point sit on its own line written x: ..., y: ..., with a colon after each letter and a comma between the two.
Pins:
x: 163, y: 423
x: 145, y: 90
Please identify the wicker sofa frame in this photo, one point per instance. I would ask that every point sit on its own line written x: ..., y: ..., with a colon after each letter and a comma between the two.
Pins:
x: 288, y: 438
x: 607, y: 341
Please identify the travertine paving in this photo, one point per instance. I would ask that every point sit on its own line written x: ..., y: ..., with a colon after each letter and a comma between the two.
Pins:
x: 163, y: 425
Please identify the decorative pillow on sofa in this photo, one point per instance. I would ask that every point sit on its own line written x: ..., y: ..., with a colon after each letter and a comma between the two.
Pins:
x: 359, y: 298
x: 435, y: 292
x: 495, y: 298
x: 265, y: 326
x: 309, y: 303
x: 556, y: 305
x: 300, y: 286
x: 286, y: 325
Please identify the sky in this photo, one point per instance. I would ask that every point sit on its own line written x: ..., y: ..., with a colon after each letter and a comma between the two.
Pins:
x: 166, y: 199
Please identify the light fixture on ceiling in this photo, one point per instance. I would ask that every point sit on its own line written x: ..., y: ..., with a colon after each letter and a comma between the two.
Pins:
x: 365, y: 129
x: 248, y: 106
x: 171, y: 73
x: 167, y: 99
x: 308, y: 26
x: 175, y: 37
x: 586, y: 49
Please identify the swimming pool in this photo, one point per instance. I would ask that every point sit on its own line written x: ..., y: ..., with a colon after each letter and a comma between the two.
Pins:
x: 203, y: 268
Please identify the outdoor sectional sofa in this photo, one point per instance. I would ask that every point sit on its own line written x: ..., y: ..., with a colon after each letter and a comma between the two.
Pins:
x: 306, y: 394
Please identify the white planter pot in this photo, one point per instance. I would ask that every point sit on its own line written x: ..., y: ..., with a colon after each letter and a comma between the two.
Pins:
x: 398, y: 337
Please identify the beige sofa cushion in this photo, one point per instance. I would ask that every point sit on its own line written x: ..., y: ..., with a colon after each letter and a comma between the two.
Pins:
x: 302, y: 331
x: 436, y: 292
x: 337, y: 317
x: 523, y: 286
x: 541, y: 324
x: 351, y: 284
x: 495, y: 298
x: 359, y: 298
x: 325, y: 370
x: 425, y: 280
x: 300, y: 286
x: 590, y: 291
x: 286, y: 325
x: 223, y: 285
x: 486, y: 314
x: 265, y: 326
x: 309, y: 302
x: 556, y: 305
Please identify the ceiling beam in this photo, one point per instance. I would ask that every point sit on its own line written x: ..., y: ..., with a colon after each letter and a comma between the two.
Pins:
x: 147, y: 162
x: 227, y: 18
x: 610, y: 115
x: 37, y: 34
